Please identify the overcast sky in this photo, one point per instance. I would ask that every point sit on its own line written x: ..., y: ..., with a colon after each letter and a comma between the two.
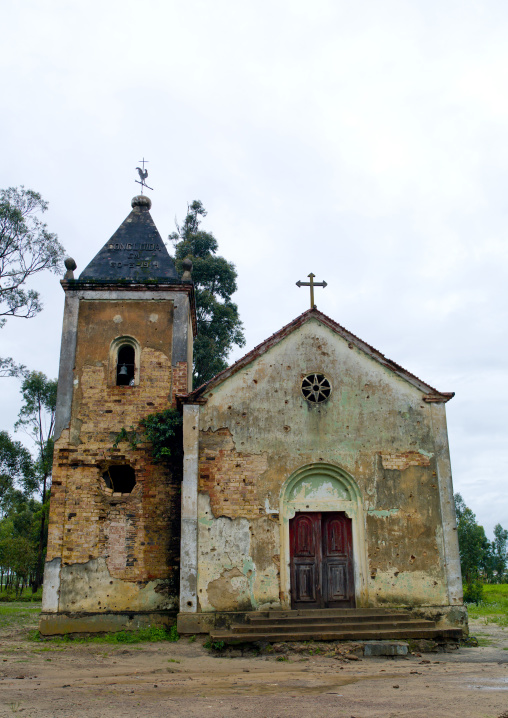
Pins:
x: 364, y: 141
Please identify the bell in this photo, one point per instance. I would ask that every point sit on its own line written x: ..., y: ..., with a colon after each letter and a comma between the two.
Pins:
x: 123, y: 371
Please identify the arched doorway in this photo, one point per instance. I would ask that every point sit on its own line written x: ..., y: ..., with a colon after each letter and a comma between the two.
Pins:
x: 321, y: 560
x: 323, y: 556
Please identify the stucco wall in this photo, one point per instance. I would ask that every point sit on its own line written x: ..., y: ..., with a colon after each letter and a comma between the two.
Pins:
x: 256, y: 430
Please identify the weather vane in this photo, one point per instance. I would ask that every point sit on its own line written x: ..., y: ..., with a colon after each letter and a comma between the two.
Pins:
x: 311, y: 284
x: 143, y: 174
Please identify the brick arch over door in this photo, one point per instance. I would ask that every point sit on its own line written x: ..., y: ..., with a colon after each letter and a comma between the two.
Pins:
x: 323, y: 487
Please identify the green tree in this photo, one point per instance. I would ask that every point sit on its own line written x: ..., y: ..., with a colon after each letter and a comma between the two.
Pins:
x: 499, y: 552
x: 19, y: 540
x: 26, y: 248
x: 37, y: 417
x: 218, y: 323
x: 474, y: 547
x: 16, y: 469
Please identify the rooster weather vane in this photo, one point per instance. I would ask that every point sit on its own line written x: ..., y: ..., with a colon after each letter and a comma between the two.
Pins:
x: 143, y: 174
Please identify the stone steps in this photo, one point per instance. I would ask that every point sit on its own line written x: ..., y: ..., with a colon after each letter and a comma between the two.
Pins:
x: 332, y: 634
x: 314, y: 620
x: 328, y: 612
x: 327, y: 626
x: 332, y: 625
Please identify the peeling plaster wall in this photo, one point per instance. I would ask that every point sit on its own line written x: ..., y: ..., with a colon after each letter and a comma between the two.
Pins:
x: 110, y: 551
x: 239, y: 569
x: 256, y: 429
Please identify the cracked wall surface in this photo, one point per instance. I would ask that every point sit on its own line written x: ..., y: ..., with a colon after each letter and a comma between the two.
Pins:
x: 256, y: 429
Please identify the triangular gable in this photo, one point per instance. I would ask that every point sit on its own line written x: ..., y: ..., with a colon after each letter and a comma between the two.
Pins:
x: 430, y: 394
x: 135, y: 252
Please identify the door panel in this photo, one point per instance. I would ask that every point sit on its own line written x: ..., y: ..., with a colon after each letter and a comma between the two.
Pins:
x: 337, y: 560
x: 305, y: 540
x: 306, y: 583
x: 333, y: 535
x: 322, y: 573
x: 336, y: 581
x: 305, y: 543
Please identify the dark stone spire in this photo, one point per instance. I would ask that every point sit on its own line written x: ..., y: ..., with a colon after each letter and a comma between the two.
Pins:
x: 135, y: 252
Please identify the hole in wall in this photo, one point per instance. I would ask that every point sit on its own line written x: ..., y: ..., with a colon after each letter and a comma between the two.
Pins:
x: 120, y: 477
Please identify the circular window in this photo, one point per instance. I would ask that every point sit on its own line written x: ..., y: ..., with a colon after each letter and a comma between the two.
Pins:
x: 316, y: 388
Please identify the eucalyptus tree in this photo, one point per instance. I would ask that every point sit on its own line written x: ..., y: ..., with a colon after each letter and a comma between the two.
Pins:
x: 218, y: 322
x: 26, y: 249
x: 37, y: 418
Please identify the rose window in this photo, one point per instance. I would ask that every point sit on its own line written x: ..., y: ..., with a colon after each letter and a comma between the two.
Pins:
x: 316, y: 388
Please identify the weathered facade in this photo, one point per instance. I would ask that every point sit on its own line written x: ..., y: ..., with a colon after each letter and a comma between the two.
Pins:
x: 114, y: 529
x: 367, y: 458
x: 316, y: 472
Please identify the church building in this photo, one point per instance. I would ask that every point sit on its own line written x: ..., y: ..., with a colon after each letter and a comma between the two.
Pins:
x: 316, y: 479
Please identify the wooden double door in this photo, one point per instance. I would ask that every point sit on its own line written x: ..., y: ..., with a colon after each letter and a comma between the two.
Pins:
x: 321, y: 548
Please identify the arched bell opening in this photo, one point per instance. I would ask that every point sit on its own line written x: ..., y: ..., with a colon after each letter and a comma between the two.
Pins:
x: 125, y: 366
x: 124, y: 361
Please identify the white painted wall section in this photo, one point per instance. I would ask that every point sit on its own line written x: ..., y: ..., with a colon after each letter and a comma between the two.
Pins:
x: 189, y: 542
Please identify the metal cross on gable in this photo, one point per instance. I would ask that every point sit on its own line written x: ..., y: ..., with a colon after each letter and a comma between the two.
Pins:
x: 143, y: 174
x: 311, y: 284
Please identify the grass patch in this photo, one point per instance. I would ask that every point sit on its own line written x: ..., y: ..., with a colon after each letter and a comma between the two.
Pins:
x: 24, y: 615
x: 494, y: 606
x: 26, y: 597
x: 18, y: 615
x: 152, y: 634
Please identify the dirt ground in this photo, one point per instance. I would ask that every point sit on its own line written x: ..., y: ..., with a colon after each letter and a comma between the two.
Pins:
x: 182, y: 679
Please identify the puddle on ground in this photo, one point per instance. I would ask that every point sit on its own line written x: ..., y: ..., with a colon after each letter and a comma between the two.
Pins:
x: 490, y: 684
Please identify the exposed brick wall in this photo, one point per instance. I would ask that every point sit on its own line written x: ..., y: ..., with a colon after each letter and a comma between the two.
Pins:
x: 180, y: 378
x: 230, y: 477
x: 399, y: 462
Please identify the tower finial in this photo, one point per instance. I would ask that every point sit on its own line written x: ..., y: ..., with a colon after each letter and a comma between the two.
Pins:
x: 143, y: 174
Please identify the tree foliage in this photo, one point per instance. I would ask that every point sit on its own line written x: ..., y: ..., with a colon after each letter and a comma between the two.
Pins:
x: 473, y: 544
x: 19, y: 541
x: 480, y: 559
x: 218, y: 322
x: 164, y: 432
x: 37, y: 417
x: 16, y: 469
x: 26, y: 248
x: 499, y: 550
x: 8, y: 367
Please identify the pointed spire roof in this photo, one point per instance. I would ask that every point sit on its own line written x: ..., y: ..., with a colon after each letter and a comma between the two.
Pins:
x: 135, y: 252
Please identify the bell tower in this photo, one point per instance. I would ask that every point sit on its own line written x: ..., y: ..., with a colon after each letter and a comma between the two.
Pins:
x: 114, y: 525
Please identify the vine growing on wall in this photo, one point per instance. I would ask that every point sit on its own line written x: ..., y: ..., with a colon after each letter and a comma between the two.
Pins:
x: 163, y: 430
x: 130, y: 437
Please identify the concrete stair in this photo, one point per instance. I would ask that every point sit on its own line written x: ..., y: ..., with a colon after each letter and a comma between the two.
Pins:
x: 332, y: 625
